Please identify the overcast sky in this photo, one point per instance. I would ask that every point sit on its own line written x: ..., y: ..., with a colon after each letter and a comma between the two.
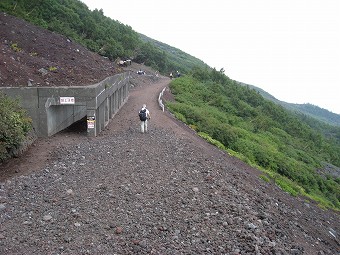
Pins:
x: 289, y: 48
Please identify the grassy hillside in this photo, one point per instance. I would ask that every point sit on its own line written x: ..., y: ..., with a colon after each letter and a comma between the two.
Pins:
x: 263, y: 134
x: 179, y: 59
x: 309, y: 110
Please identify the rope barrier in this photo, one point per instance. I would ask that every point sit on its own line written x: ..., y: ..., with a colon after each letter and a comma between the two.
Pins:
x: 160, y: 102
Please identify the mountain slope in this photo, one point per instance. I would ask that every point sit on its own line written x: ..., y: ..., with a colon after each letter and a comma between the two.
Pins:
x: 180, y: 59
x: 307, y: 109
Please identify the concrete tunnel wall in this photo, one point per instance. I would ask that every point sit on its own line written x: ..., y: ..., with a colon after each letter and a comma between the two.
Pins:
x: 53, y: 109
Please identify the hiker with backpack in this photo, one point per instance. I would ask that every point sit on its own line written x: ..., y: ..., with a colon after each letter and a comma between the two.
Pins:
x: 144, y: 115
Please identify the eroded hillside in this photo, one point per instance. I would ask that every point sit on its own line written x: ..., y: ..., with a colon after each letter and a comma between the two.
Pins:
x: 32, y: 56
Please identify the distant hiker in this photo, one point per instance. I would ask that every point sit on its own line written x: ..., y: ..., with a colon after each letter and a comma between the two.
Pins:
x: 170, y: 75
x: 178, y: 74
x: 140, y: 72
x: 144, y: 115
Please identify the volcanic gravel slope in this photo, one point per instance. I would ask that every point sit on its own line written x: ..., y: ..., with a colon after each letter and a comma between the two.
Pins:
x: 163, y: 192
x: 32, y: 56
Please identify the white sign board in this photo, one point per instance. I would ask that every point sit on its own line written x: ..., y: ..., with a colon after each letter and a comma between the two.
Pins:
x: 67, y: 100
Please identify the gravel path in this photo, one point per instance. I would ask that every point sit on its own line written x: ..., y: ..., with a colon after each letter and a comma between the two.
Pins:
x: 163, y: 192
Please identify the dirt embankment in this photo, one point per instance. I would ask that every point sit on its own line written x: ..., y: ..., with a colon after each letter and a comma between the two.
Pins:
x: 31, y: 56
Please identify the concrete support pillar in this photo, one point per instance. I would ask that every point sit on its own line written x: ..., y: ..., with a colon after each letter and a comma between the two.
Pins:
x: 106, y: 111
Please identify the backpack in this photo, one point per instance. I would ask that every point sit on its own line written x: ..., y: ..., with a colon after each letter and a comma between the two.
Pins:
x: 142, y: 115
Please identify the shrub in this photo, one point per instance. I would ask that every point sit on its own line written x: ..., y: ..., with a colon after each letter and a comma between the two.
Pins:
x: 14, y: 126
x: 287, y: 185
x: 212, y: 141
x: 15, y: 47
x: 265, y: 178
x: 52, y: 68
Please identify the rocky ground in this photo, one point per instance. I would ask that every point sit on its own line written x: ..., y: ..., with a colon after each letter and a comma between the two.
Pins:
x: 163, y: 192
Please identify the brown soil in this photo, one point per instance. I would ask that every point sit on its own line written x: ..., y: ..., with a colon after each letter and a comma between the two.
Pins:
x: 31, y: 56
x: 296, y: 226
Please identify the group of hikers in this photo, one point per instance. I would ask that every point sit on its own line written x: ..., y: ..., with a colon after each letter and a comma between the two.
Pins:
x: 178, y: 74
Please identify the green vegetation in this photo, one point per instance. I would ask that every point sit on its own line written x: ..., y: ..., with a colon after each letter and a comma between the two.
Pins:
x: 318, y: 113
x: 99, y: 33
x: 307, y: 112
x: 177, y: 59
x: 265, y: 178
x: 14, y: 47
x: 263, y: 134
x: 52, y: 68
x: 14, y: 126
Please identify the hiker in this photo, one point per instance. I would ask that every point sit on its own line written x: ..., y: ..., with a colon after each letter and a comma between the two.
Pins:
x: 171, y: 76
x: 144, y: 115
